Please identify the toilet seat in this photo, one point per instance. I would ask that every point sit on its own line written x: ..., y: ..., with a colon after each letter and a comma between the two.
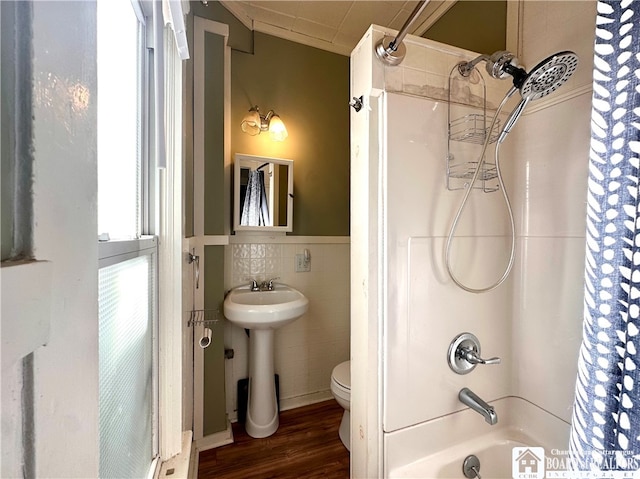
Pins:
x: 340, y: 392
x: 341, y: 375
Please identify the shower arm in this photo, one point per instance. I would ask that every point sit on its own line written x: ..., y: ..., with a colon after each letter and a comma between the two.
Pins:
x: 465, y: 68
x: 392, y: 51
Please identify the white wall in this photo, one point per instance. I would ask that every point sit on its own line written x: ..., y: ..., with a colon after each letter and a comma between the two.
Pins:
x: 550, y: 150
x: 65, y: 370
x: 307, y: 350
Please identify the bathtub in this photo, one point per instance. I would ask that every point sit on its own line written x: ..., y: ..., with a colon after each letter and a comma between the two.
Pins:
x: 436, y: 449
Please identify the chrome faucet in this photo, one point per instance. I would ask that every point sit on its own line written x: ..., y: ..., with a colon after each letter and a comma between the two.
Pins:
x: 471, y: 399
x: 263, y: 286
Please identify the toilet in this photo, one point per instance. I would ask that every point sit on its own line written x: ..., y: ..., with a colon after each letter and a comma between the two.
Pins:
x: 341, y: 390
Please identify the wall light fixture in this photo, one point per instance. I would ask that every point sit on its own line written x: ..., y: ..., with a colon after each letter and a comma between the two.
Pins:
x: 253, y: 123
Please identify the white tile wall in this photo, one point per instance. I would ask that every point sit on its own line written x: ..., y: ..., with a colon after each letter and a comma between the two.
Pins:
x: 307, y: 350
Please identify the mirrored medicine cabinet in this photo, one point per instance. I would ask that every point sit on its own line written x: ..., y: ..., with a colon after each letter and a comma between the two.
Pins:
x: 262, y: 194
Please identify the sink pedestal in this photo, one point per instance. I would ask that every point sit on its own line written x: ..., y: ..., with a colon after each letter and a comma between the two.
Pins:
x: 263, y: 312
x: 262, y: 407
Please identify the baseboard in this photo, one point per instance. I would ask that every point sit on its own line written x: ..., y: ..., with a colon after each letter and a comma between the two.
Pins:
x: 178, y: 466
x: 218, y: 439
x: 305, y: 400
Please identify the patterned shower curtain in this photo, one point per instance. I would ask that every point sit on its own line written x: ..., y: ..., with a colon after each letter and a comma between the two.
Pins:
x: 255, y: 211
x: 605, y: 431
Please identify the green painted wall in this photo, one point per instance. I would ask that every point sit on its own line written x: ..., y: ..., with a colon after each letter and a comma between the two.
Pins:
x: 240, y: 37
x: 309, y: 89
x: 187, y: 128
x: 215, y: 412
x: 476, y: 25
x: 214, y: 135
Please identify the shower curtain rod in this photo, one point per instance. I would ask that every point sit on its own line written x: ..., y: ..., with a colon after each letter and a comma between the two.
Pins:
x: 393, y: 51
x: 405, y: 28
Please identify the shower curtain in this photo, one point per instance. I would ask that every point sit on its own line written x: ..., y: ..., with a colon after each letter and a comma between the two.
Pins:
x: 255, y: 211
x: 605, y: 432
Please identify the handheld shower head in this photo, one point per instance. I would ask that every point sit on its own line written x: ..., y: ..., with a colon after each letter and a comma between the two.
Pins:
x: 548, y: 75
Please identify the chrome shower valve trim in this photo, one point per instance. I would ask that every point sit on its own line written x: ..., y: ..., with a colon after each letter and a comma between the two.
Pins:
x: 464, y: 354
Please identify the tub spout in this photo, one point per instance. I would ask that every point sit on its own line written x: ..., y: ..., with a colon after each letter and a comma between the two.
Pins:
x: 471, y: 399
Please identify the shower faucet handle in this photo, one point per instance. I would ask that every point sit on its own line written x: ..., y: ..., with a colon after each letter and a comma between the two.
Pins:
x: 464, y: 354
x: 470, y: 355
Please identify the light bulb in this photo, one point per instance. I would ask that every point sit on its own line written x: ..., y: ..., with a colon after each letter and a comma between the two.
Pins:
x: 277, y: 130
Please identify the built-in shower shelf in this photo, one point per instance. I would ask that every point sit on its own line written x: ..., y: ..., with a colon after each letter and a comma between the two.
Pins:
x: 472, y: 129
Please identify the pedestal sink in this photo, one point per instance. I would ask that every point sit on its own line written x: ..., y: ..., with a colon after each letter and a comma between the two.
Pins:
x: 263, y: 312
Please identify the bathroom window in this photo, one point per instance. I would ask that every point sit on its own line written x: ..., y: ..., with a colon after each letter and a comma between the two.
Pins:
x: 128, y: 372
x: 121, y: 120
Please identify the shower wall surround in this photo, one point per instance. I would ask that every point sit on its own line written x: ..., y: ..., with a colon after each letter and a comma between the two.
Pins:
x: 307, y: 350
x: 405, y: 309
x: 549, y: 171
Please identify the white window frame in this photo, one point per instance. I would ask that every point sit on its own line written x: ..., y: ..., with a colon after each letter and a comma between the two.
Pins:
x: 119, y: 251
x: 116, y: 251
x: 161, y: 217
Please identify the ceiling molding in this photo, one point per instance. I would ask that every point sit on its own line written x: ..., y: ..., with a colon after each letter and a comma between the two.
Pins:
x: 238, y: 9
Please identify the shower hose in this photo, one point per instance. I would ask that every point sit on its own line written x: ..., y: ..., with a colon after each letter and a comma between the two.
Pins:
x: 465, y: 198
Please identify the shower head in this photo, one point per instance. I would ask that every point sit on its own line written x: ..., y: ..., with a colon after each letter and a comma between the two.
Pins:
x: 546, y: 77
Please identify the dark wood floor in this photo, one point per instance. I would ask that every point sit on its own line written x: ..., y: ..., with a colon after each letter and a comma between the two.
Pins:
x: 306, y: 445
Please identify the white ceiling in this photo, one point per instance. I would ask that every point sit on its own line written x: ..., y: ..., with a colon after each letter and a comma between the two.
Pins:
x: 332, y: 25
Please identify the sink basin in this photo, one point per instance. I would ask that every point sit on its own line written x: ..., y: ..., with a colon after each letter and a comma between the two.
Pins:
x: 264, y: 309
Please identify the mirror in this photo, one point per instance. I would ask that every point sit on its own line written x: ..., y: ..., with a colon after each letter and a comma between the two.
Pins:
x: 262, y: 194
